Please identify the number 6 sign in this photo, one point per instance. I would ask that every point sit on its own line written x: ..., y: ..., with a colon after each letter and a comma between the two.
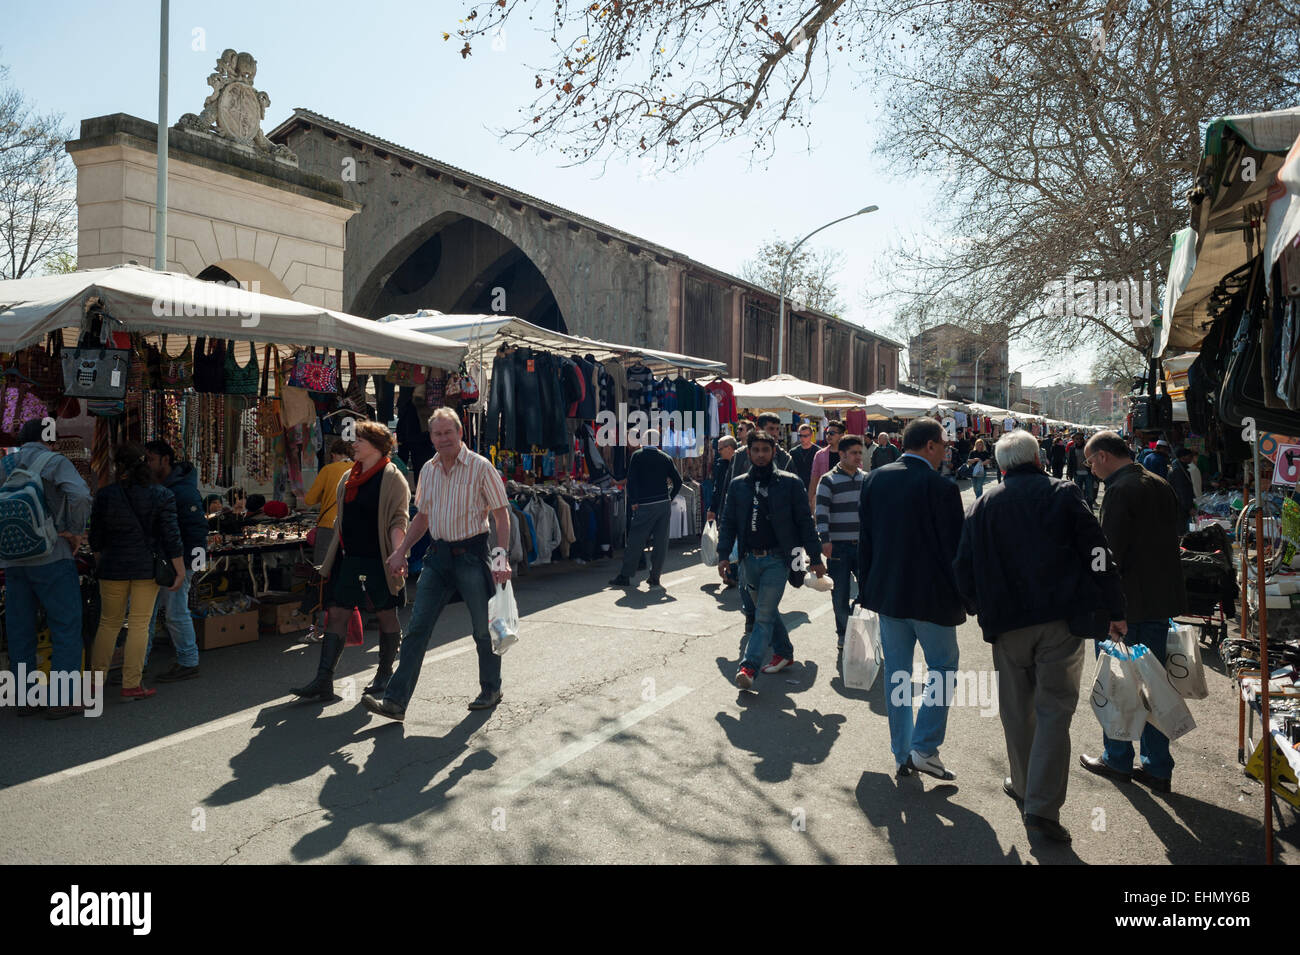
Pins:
x: 1287, y: 465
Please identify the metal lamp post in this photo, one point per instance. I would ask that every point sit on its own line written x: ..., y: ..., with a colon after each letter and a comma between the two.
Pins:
x: 160, y: 207
x: 780, y: 328
x: 977, y: 371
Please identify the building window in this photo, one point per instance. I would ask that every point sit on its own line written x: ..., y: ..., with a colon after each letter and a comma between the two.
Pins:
x: 758, y: 342
x: 706, y: 327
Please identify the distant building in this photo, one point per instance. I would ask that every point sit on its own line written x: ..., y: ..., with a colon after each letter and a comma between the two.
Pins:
x: 946, y: 358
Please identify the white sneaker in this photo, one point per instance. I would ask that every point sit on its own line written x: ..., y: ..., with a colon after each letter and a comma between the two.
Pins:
x: 929, y: 765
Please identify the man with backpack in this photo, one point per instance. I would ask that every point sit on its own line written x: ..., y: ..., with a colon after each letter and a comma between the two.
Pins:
x: 46, y: 507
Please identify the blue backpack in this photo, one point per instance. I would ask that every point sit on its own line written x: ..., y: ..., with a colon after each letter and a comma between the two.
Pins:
x: 27, y: 530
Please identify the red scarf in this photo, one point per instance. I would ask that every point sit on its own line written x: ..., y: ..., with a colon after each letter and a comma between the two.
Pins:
x: 358, y: 477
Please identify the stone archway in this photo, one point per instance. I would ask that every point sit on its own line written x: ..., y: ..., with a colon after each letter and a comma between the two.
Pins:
x: 459, y: 263
x: 252, y: 276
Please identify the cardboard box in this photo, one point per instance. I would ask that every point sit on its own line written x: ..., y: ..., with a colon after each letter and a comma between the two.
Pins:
x: 225, y: 630
x: 283, y: 618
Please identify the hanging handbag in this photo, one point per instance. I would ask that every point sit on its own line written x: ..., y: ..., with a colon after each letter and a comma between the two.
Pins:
x: 176, y: 371
x: 315, y: 372
x: 164, y: 572
x: 354, y: 394
x: 96, y: 372
x: 468, y: 387
x: 296, y: 406
x: 405, y: 374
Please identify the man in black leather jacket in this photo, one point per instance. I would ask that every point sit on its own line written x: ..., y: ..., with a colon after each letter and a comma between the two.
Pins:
x: 766, y: 514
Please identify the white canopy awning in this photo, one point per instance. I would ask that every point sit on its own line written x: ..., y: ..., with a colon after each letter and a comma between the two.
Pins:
x: 1259, y: 142
x: 762, y: 396
x: 1283, y: 210
x: 147, y: 301
x: 895, y: 404
x: 484, y: 333
x: 825, y: 395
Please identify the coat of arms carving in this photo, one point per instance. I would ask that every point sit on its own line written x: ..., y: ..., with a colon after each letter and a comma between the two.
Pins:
x: 234, y: 110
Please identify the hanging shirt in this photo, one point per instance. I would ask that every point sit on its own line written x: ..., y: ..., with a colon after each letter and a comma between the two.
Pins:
x: 726, y: 396
x: 640, y: 386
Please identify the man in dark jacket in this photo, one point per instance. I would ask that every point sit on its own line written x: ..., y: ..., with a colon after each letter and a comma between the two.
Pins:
x: 1180, y: 479
x: 182, y: 480
x: 883, y: 453
x: 721, y: 478
x: 1141, y: 517
x: 766, y: 515
x: 1032, y: 554
x: 909, y: 526
x: 652, y: 483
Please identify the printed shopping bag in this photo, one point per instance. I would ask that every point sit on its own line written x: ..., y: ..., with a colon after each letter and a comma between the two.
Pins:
x: 504, y: 616
x: 1166, y: 710
x: 1183, y: 663
x: 1117, y: 697
x: 709, y: 544
x: 863, y: 654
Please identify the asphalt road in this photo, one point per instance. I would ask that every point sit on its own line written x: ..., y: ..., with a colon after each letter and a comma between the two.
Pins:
x: 621, y: 739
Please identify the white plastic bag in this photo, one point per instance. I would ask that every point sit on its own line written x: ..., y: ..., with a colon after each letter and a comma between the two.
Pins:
x: 709, y: 544
x: 1183, y: 663
x: 503, y: 615
x: 823, y: 583
x: 863, y: 654
x: 1166, y: 710
x: 1117, y: 697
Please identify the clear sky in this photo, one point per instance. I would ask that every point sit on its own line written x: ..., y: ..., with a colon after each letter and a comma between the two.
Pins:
x: 382, y: 66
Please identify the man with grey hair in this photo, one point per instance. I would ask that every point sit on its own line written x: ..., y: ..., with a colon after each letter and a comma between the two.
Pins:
x: 1143, y: 523
x: 1032, y: 564
x: 652, y: 483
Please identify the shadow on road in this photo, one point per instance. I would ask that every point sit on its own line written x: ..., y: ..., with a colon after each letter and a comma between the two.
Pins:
x: 913, y: 819
x: 775, y: 730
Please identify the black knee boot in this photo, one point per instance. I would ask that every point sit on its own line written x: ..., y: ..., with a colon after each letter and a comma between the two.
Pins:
x: 388, y: 644
x: 322, y: 688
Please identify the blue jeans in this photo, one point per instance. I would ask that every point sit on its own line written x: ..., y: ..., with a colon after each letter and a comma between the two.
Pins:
x: 1088, y: 485
x: 55, y: 587
x: 766, y: 577
x: 443, y: 575
x: 1156, y: 758
x: 843, y: 568
x: 180, y: 623
x: 898, y: 640
x: 978, y: 483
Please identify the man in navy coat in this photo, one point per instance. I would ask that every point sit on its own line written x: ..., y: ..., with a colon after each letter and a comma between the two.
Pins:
x: 911, y: 520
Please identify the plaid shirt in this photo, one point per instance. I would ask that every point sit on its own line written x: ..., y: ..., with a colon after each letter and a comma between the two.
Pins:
x: 457, y: 503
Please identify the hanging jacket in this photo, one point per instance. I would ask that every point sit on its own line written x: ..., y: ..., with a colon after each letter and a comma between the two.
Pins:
x: 547, y: 526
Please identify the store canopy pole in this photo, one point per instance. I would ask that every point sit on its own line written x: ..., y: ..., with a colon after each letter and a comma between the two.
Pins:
x: 160, y: 205
x: 1264, y: 675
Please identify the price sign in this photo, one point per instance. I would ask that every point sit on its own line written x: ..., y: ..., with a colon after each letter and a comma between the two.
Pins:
x: 1286, y: 466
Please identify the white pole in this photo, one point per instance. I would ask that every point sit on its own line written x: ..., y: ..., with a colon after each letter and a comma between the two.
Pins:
x: 160, y: 203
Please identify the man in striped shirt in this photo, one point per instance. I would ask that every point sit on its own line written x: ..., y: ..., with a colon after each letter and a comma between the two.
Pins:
x: 456, y: 491
x: 838, y: 494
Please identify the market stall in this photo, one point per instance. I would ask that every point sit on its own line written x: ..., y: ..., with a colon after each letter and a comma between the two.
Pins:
x: 1225, y: 351
x: 248, y: 388
x: 553, y: 415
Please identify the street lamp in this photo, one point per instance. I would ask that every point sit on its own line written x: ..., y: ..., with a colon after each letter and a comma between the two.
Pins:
x: 1063, y: 396
x: 977, y: 371
x: 780, y: 327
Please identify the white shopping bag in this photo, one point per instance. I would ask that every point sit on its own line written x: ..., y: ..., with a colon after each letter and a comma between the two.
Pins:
x: 823, y: 583
x: 503, y: 615
x: 863, y: 654
x: 1166, y: 710
x: 1183, y: 663
x: 709, y: 544
x: 1117, y: 697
